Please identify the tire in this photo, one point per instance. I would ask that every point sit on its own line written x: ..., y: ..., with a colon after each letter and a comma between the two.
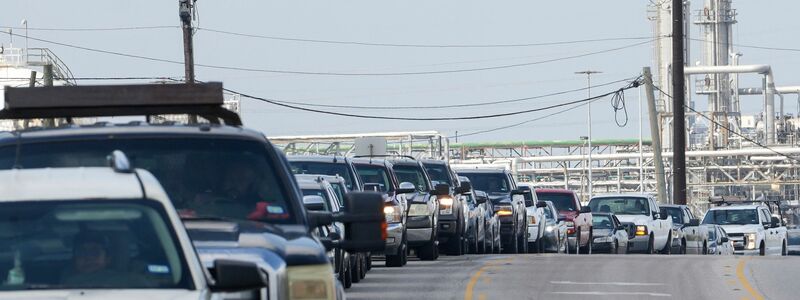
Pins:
x: 668, y: 246
x: 762, y: 250
x: 428, y: 251
x: 482, y: 245
x: 615, y: 249
x: 651, y: 245
x: 682, y: 250
x: 532, y: 247
x: 369, y: 262
x: 394, y: 261
x: 784, y: 251
x: 355, y: 268
x: 348, y: 276
x: 522, y: 241
x: 512, y: 244
x: 705, y: 248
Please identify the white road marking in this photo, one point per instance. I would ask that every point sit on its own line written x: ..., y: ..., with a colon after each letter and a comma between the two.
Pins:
x: 607, y: 283
x: 613, y: 294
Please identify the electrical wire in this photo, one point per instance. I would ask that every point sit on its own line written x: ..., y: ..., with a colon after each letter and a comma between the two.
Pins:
x: 454, y: 105
x: 173, y: 78
x: 618, y: 104
x: 751, y: 46
x: 93, y: 29
x: 475, y: 117
x: 359, y: 43
x: 338, y: 73
x: 635, y: 83
x: 728, y: 129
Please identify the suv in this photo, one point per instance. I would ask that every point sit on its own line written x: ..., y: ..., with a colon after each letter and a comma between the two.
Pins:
x: 578, y: 218
x: 232, y: 188
x: 377, y: 176
x: 453, y: 225
x: 751, y: 227
x: 328, y: 165
x: 653, y: 230
x: 423, y: 206
x: 687, y: 234
x: 55, y: 223
x: 509, y: 205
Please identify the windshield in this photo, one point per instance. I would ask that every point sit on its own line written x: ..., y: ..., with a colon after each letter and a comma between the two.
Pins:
x: 562, y: 201
x: 621, y: 206
x: 438, y: 173
x: 321, y: 193
x: 203, y: 177
x: 324, y: 168
x: 340, y: 191
x: 489, y: 182
x: 89, y: 245
x: 602, y: 222
x: 731, y: 217
x: 412, y: 174
x: 675, y: 213
x: 375, y: 175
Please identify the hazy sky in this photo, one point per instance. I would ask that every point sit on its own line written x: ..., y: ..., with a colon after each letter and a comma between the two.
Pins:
x: 765, y: 23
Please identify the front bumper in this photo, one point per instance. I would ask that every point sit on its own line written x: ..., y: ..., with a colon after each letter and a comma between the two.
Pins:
x: 752, y: 252
x: 448, y: 228
x: 550, y: 241
x: 639, y: 243
x: 602, y: 246
x: 418, y: 236
x: 533, y: 232
x: 394, y: 237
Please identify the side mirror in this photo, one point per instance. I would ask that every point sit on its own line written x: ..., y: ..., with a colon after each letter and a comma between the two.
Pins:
x: 481, y: 200
x: 364, y: 222
x: 724, y: 239
x: 776, y: 222
x: 406, y: 187
x: 622, y: 227
x: 441, y: 189
x: 541, y: 204
x: 236, y: 276
x: 585, y: 209
x: 465, y: 187
x: 694, y: 222
x: 313, y: 202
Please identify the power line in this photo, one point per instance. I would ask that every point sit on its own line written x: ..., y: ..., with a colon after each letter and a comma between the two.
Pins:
x: 291, y: 39
x: 171, y: 78
x: 728, y: 129
x: 453, y: 105
x: 276, y: 102
x: 337, y: 73
x: 93, y: 29
x: 634, y: 83
x: 752, y: 46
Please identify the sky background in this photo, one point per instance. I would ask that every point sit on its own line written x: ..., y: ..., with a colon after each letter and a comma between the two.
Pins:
x: 763, y: 23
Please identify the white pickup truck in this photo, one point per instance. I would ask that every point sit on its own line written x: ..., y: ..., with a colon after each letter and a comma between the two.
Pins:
x: 652, y: 231
x: 751, y: 227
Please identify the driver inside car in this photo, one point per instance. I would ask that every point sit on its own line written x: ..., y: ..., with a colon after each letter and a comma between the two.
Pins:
x: 91, y: 265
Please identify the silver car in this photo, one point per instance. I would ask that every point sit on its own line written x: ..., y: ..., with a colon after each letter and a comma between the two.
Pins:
x: 555, y: 230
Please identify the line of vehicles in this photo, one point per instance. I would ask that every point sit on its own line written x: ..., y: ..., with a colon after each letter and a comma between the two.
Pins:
x: 213, y: 210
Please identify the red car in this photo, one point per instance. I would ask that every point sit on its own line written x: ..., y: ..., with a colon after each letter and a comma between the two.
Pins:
x: 570, y: 210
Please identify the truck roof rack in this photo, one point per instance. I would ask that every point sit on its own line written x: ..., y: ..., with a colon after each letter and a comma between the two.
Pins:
x: 730, y: 200
x: 200, y: 99
x: 386, y: 156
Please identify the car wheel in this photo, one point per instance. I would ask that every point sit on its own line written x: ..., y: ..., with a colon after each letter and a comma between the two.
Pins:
x: 348, y: 276
x: 668, y: 246
x: 651, y: 245
x: 784, y: 251
x: 615, y: 248
x: 705, y: 248
x: 355, y: 269
x: 369, y: 262
x: 396, y: 260
x: 762, y: 250
x: 522, y: 241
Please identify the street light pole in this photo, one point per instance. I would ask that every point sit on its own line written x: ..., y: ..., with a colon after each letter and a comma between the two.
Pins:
x: 588, y: 74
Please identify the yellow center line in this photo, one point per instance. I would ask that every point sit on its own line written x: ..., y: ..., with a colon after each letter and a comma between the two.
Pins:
x: 473, y: 280
x: 743, y: 280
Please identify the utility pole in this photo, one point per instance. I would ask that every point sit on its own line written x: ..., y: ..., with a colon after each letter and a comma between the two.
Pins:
x: 185, y: 11
x: 678, y: 110
x: 655, y: 132
x: 589, y: 121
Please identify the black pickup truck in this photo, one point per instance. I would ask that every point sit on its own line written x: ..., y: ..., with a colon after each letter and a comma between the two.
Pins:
x: 232, y: 188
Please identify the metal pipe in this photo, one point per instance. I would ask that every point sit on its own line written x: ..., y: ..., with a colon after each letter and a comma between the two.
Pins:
x: 769, y: 89
x: 632, y: 155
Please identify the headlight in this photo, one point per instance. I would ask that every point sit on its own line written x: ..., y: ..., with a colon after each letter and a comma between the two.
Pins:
x: 531, y: 219
x: 750, y: 240
x: 604, y: 239
x: 419, y: 210
x: 394, y: 214
x: 641, y: 230
x: 310, y: 282
x: 446, y: 206
x: 549, y: 228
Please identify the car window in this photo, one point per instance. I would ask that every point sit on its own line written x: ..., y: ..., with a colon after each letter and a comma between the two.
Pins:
x: 731, y: 217
x: 621, y: 205
x: 375, y: 175
x: 675, y: 213
x: 489, y: 182
x: 412, y: 174
x: 438, y: 173
x: 89, y: 245
x: 712, y: 233
x: 562, y: 201
x: 324, y: 168
x: 228, y: 178
x: 765, y: 216
x: 340, y: 192
x: 687, y: 215
x: 602, y: 222
x: 548, y: 213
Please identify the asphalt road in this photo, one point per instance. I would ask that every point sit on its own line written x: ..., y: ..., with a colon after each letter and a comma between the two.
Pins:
x: 550, y: 276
